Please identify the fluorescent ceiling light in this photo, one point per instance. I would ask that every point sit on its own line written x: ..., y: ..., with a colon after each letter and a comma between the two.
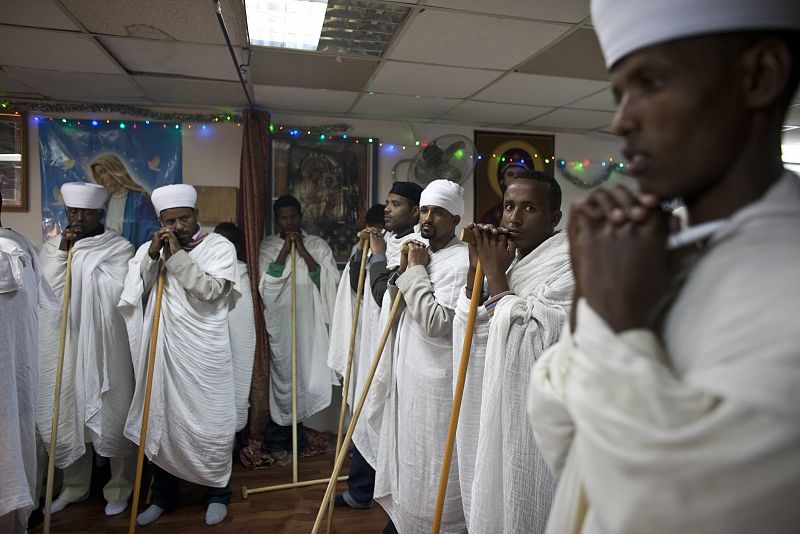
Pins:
x: 791, y: 153
x: 10, y: 157
x: 285, y: 23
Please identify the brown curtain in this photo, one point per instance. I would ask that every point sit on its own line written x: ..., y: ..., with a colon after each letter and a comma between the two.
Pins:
x: 253, y: 203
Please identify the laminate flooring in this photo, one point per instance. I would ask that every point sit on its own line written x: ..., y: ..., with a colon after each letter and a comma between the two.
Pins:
x: 284, y: 511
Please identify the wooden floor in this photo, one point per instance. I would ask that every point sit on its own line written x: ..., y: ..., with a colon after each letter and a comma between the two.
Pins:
x: 291, y: 510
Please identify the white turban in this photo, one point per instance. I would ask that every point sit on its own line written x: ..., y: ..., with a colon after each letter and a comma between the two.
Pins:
x: 173, y: 196
x: 445, y: 194
x: 624, y: 26
x: 83, y: 195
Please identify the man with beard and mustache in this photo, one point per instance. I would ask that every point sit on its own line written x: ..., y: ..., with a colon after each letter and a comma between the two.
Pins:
x: 97, y: 385
x: 192, y: 412
x: 670, y: 405
x: 400, y: 217
x: 505, y: 484
x: 417, y: 376
x: 316, y: 279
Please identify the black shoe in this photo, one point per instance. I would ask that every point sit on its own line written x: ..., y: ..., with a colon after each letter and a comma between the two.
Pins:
x: 339, y: 501
x: 35, y: 519
x: 389, y: 528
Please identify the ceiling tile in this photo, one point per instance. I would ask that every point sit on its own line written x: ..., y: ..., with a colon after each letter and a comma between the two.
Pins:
x: 573, y: 118
x: 403, y: 107
x: 36, y: 14
x: 299, y: 99
x: 9, y: 84
x: 577, y: 55
x: 170, y: 57
x: 602, y: 100
x: 190, y: 21
x: 467, y: 40
x: 493, y: 113
x: 193, y: 92
x: 414, y: 79
x: 553, y: 10
x: 78, y: 85
x: 272, y: 66
x: 53, y: 50
x: 536, y: 90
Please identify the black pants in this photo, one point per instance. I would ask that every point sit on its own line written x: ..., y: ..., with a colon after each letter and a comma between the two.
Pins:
x: 166, y: 494
x: 361, y: 479
x: 279, y: 438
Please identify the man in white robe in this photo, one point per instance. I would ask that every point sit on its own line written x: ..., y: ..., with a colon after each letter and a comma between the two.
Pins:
x: 316, y: 279
x: 192, y: 422
x: 400, y: 216
x: 23, y: 289
x: 242, y: 328
x: 419, y: 374
x: 97, y: 383
x: 671, y: 404
x: 529, y: 286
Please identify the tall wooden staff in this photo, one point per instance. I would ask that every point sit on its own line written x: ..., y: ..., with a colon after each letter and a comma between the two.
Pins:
x: 146, y: 408
x: 356, y: 413
x: 294, y: 362
x: 353, y: 329
x: 477, y: 282
x: 62, y: 339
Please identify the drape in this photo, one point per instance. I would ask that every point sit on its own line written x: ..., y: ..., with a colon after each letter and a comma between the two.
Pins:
x: 253, y: 203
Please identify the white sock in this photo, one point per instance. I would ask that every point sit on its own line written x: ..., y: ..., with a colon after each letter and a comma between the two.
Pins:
x: 58, y: 505
x: 152, y: 513
x: 116, y: 507
x: 216, y: 513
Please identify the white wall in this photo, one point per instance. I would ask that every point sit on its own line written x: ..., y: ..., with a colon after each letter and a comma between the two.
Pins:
x: 211, y: 157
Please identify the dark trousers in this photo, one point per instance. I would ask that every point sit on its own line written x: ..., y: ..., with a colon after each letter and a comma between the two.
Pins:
x: 361, y: 480
x: 166, y: 494
x: 279, y: 438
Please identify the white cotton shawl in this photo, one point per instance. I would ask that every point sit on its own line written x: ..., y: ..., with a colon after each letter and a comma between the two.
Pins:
x: 419, y: 379
x: 513, y: 487
x: 192, y: 409
x: 696, y: 430
x: 97, y: 380
x: 22, y: 289
x: 314, y: 313
x: 242, y: 328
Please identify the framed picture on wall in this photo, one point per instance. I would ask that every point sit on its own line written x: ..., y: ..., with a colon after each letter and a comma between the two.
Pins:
x: 503, y: 154
x: 13, y: 171
x: 335, y: 181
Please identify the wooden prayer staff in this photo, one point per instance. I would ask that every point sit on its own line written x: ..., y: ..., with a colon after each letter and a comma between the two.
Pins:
x: 294, y: 362
x: 62, y: 340
x: 147, y: 393
x: 247, y: 492
x: 356, y: 413
x: 477, y: 282
x: 351, y: 349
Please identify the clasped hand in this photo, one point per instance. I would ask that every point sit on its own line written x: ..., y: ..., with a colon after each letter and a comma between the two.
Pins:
x: 163, y: 238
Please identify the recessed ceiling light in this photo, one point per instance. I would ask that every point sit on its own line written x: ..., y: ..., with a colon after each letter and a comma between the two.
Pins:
x: 285, y: 23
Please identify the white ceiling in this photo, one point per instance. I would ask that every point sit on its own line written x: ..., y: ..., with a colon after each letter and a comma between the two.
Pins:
x: 525, y: 64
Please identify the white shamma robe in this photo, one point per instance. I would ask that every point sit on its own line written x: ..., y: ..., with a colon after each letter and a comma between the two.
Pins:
x: 314, y: 313
x: 419, y: 379
x: 696, y: 428
x: 242, y: 327
x: 97, y: 382
x: 510, y: 489
x: 192, y: 421
x: 22, y: 290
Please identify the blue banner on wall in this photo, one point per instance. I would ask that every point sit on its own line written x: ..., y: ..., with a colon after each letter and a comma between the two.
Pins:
x: 129, y: 159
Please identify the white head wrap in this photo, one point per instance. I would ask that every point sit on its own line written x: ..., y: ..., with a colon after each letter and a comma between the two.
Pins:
x: 445, y: 194
x: 83, y: 195
x: 624, y: 26
x: 174, y: 196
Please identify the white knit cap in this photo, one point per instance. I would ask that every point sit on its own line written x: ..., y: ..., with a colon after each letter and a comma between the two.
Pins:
x: 83, y: 195
x: 624, y: 26
x: 174, y: 196
x: 445, y: 194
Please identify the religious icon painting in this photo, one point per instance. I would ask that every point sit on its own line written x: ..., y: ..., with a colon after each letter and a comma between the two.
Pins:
x: 335, y: 181
x: 502, y: 156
